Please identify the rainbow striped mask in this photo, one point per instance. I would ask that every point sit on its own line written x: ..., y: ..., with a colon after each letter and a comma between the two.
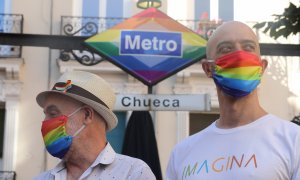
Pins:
x: 56, y: 139
x: 238, y: 73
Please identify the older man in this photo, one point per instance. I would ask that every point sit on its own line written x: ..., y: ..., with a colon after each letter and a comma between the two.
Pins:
x: 78, y: 113
x: 246, y: 142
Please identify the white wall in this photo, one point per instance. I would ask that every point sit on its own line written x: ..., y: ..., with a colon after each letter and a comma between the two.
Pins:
x: 35, y: 78
x: 275, y: 88
x: 258, y: 10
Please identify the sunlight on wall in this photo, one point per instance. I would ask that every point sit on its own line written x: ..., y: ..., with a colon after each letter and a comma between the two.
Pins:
x: 256, y: 10
x: 177, y: 9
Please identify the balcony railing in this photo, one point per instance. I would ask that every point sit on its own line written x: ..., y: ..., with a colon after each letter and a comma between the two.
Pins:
x: 88, y: 26
x: 7, y: 175
x: 11, y: 23
x: 84, y: 26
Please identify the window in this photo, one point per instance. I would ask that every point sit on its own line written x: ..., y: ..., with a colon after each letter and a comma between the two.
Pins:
x: 116, y: 136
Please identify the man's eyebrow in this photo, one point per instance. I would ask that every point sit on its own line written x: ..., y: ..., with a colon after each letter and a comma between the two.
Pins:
x: 222, y: 43
x: 244, y: 41
x: 248, y: 41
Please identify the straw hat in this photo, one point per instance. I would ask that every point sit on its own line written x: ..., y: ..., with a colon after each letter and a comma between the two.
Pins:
x: 87, y: 88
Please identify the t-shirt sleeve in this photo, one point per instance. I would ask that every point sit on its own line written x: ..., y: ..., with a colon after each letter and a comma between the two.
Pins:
x: 171, y: 173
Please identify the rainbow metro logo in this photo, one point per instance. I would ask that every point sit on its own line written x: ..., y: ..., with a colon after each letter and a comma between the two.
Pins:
x: 150, y: 46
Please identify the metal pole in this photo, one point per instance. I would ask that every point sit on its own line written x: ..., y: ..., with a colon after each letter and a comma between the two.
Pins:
x: 150, y: 89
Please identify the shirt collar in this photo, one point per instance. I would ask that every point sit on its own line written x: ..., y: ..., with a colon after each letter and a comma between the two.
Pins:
x: 59, y: 167
x: 106, y: 156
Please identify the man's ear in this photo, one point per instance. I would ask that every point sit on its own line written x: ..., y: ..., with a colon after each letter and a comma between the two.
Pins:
x: 88, y: 114
x: 264, y: 63
x: 207, y: 67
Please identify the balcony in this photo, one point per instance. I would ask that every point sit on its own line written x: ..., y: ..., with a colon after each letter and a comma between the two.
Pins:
x: 8, y: 175
x: 11, y: 23
x: 86, y: 26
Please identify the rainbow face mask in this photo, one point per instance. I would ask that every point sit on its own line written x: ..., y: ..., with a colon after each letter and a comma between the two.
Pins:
x: 56, y: 139
x: 238, y: 73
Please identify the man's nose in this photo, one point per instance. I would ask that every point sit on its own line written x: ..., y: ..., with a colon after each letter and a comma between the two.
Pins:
x: 238, y: 47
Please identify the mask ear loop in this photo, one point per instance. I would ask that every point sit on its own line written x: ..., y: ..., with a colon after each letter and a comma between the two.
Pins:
x: 78, y: 131
x: 82, y: 127
x: 75, y: 111
x: 212, y: 65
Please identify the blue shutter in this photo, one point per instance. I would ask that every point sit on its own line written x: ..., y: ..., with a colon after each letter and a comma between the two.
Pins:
x: 2, y: 5
x: 114, y: 8
x: 226, y: 10
x: 116, y: 136
x: 90, y: 8
x: 201, y: 7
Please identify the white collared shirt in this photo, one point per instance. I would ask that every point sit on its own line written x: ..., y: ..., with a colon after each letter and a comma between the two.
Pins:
x: 108, y: 165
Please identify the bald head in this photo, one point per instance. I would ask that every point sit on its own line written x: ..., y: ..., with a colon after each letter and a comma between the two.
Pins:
x: 229, y: 37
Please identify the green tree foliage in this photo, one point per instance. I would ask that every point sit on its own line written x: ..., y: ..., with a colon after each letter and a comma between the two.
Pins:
x: 283, y: 25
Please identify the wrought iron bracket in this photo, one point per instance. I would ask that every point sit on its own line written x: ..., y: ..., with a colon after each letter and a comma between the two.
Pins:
x: 67, y: 45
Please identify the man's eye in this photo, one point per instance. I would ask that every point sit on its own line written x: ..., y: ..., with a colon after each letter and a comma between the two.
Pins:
x: 249, y: 47
x: 52, y: 114
x: 224, y: 50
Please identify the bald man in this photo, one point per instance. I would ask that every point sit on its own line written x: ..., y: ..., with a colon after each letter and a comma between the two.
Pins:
x: 246, y: 142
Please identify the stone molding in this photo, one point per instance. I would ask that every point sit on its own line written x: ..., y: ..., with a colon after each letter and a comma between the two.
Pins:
x: 10, y: 90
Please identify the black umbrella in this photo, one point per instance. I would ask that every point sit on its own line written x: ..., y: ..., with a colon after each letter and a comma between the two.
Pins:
x: 140, y: 141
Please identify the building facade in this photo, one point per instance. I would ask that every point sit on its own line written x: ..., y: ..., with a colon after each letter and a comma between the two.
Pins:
x: 26, y: 71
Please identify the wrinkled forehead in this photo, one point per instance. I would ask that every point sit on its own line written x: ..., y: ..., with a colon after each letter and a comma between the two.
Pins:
x: 60, y: 100
x: 234, y: 32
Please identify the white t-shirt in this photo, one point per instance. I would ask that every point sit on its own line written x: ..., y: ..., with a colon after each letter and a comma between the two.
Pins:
x: 266, y: 149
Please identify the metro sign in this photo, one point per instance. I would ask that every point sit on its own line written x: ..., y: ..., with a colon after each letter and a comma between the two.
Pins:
x: 150, y: 46
x: 151, y: 43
